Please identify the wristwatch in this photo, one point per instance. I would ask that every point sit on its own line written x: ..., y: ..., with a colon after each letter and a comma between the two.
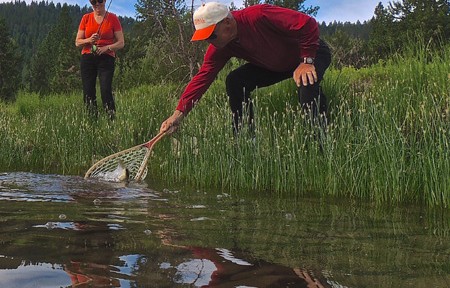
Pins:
x: 308, y: 60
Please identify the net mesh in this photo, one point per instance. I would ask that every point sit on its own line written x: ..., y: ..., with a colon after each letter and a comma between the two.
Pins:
x: 131, y: 160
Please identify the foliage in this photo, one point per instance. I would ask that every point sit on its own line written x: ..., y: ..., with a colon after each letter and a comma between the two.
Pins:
x: 158, y: 47
x: 386, y: 142
x: 422, y: 16
x: 401, y: 20
x: 347, y: 50
x: 298, y: 5
x: 165, y: 28
x: 169, y: 24
x: 66, y: 77
x: 356, y: 30
x: 30, y: 24
x: 10, y: 62
x: 54, y: 68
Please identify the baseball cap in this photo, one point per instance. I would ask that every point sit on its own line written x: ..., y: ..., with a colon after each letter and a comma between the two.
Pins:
x: 206, y: 17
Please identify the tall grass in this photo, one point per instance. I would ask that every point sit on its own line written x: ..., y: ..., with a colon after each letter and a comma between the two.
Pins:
x: 387, y: 139
x: 54, y: 134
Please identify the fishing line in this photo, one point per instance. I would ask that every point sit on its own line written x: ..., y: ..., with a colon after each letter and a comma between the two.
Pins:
x: 94, y: 47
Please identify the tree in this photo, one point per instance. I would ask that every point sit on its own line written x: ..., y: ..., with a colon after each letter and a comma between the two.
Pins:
x: 295, y: 5
x: 382, y: 38
x: 347, y: 50
x: 29, y: 24
x: 10, y: 63
x: 66, y: 76
x: 168, y: 23
x: 54, y: 67
x: 248, y: 3
x: 425, y: 20
x: 424, y: 17
x: 166, y: 29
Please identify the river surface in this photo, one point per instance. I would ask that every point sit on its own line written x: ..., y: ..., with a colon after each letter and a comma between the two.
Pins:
x: 64, y: 231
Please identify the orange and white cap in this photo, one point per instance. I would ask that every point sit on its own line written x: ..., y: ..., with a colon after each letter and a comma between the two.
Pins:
x: 206, y: 17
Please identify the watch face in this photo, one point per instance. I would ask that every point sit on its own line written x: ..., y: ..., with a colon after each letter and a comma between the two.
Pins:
x: 309, y: 60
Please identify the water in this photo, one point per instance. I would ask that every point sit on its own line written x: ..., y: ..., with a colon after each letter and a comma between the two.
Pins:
x: 58, y: 231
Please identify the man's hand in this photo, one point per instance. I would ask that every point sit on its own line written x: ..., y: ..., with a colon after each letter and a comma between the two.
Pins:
x: 305, y: 74
x: 171, y: 124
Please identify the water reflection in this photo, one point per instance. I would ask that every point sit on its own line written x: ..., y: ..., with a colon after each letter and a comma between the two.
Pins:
x: 221, y: 268
x: 58, y: 231
x: 92, y: 274
x: 26, y: 275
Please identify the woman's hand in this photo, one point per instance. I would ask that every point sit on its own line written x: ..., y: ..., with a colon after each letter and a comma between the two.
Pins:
x: 103, y: 49
x: 93, y: 39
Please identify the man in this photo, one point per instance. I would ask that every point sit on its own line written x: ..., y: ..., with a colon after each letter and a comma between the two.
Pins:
x: 276, y: 42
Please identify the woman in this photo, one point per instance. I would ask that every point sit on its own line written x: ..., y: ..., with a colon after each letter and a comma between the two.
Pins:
x: 100, y: 34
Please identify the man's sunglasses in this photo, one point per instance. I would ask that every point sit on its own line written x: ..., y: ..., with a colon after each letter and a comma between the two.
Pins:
x: 94, y: 2
x: 213, y: 35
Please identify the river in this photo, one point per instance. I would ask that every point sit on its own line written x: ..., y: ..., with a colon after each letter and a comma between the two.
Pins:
x: 65, y: 231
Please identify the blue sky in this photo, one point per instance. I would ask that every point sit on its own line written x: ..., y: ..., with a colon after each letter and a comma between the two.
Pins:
x: 330, y: 10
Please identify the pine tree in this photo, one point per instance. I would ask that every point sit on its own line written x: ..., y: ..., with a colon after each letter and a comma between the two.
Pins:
x: 65, y: 75
x: 403, y: 21
x: 382, y: 42
x: 295, y: 5
x: 427, y: 18
x: 55, y: 65
x: 10, y: 63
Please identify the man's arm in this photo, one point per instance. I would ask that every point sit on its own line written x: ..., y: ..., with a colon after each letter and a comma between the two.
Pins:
x: 302, y: 27
x: 214, y: 61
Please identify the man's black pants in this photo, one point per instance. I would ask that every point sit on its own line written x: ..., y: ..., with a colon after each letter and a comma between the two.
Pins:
x: 242, y: 81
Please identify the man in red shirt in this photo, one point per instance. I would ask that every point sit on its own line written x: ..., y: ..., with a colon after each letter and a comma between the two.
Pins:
x: 277, y: 43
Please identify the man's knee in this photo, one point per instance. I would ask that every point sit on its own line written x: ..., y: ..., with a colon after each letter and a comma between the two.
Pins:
x: 312, y: 98
x: 234, y: 81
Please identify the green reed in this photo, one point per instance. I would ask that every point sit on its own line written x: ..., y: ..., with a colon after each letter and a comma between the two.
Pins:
x: 55, y: 134
x: 386, y: 141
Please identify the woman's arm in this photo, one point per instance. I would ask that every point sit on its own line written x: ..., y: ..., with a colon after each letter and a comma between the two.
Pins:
x: 81, y: 40
x: 119, y: 43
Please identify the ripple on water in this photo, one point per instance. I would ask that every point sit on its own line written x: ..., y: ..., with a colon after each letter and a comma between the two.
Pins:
x: 30, y: 187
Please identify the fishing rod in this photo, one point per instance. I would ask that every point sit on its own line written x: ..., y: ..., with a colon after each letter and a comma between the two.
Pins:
x: 94, y: 47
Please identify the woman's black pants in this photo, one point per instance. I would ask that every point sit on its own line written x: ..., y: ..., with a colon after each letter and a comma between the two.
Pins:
x: 91, y: 66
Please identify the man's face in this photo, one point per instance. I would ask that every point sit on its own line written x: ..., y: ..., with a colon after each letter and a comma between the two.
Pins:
x: 221, y: 35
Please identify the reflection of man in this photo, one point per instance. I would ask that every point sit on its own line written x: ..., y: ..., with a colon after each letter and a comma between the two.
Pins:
x: 92, y: 269
x: 91, y: 274
x: 222, y: 268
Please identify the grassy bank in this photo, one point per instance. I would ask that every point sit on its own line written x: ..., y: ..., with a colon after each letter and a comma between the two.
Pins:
x: 387, y: 141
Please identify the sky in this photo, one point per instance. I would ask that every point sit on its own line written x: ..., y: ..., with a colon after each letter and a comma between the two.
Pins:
x: 330, y: 10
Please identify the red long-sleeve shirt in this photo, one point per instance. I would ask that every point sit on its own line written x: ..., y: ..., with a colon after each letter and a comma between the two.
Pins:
x: 271, y: 37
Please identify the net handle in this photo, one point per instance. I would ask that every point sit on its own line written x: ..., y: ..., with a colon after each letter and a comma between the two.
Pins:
x: 149, y: 146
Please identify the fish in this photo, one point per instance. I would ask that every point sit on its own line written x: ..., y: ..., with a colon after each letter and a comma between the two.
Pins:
x: 120, y: 174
